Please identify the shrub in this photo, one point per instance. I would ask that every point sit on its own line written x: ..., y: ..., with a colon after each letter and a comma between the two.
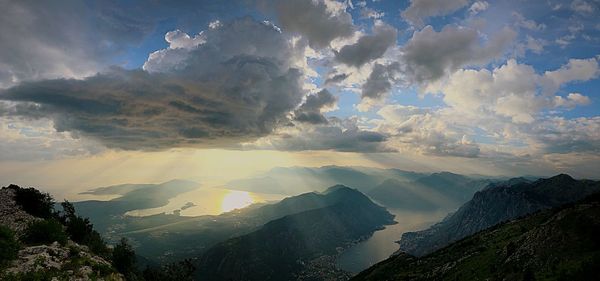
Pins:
x: 177, y: 271
x: 9, y: 247
x: 34, y: 202
x: 124, y: 258
x: 45, y: 232
x: 81, y: 230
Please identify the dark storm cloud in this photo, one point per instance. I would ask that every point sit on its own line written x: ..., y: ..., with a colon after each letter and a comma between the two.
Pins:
x: 236, y: 87
x: 310, y: 110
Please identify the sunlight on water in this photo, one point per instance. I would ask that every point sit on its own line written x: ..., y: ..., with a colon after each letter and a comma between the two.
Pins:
x: 236, y: 200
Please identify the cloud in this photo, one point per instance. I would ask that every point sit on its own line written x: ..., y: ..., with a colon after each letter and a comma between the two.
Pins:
x: 420, y: 10
x: 335, y: 78
x: 239, y: 85
x: 424, y: 130
x: 338, y: 135
x: 582, y: 7
x: 37, y: 140
x: 369, y: 13
x: 521, y: 21
x: 319, y: 21
x: 513, y: 90
x: 310, y: 110
x: 426, y: 60
x: 380, y: 81
x: 368, y: 47
x: 478, y: 7
x: 574, y: 70
x: 41, y: 40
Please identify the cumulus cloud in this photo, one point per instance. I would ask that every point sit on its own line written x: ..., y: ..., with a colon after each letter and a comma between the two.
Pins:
x: 513, y: 90
x: 478, y: 6
x: 368, y: 47
x: 574, y: 70
x: 429, y: 55
x: 338, y: 134
x: 311, y: 110
x: 380, y: 81
x: 424, y: 130
x: 419, y: 10
x: 41, y: 40
x: 238, y: 85
x: 319, y: 21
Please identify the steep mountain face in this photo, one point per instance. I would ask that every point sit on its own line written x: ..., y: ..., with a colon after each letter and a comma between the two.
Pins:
x: 436, y: 191
x: 297, y: 246
x: 496, y: 204
x: 556, y: 244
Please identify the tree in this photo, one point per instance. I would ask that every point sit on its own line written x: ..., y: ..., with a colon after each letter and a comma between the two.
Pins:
x: 34, y: 202
x: 9, y: 247
x: 123, y: 258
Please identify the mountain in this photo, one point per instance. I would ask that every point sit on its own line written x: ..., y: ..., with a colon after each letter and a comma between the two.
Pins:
x: 432, y: 192
x: 297, y: 180
x: 298, y: 246
x: 495, y: 204
x: 106, y: 214
x: 169, y: 237
x: 555, y: 244
x: 38, y: 244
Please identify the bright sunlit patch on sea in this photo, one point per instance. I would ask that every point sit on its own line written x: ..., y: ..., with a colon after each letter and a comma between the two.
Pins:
x: 235, y: 200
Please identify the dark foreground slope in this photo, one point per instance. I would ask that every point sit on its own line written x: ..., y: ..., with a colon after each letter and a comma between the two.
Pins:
x: 295, y: 246
x: 556, y: 244
x: 495, y: 204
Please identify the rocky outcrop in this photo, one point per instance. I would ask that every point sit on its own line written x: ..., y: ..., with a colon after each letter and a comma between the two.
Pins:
x: 11, y: 215
x: 72, y: 262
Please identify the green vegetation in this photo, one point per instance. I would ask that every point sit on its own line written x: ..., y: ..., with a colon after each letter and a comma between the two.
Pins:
x: 9, y: 246
x: 62, y: 226
x: 177, y: 271
x: 123, y: 258
x: 45, y: 232
x: 81, y: 230
x: 34, y: 202
x: 557, y: 244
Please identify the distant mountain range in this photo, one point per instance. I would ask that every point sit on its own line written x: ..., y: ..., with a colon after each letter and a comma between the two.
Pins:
x: 297, y: 180
x: 428, y: 192
x: 497, y: 203
x: 555, y: 244
x: 297, y: 246
x: 392, y: 188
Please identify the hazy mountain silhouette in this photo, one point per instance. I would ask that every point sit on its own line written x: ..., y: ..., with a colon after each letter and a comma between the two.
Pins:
x: 294, y: 246
x: 497, y: 203
x: 556, y: 244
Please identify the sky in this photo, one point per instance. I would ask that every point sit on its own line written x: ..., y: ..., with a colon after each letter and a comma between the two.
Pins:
x: 106, y: 92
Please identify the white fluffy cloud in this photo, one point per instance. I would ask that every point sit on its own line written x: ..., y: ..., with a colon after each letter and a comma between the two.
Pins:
x: 513, y: 90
